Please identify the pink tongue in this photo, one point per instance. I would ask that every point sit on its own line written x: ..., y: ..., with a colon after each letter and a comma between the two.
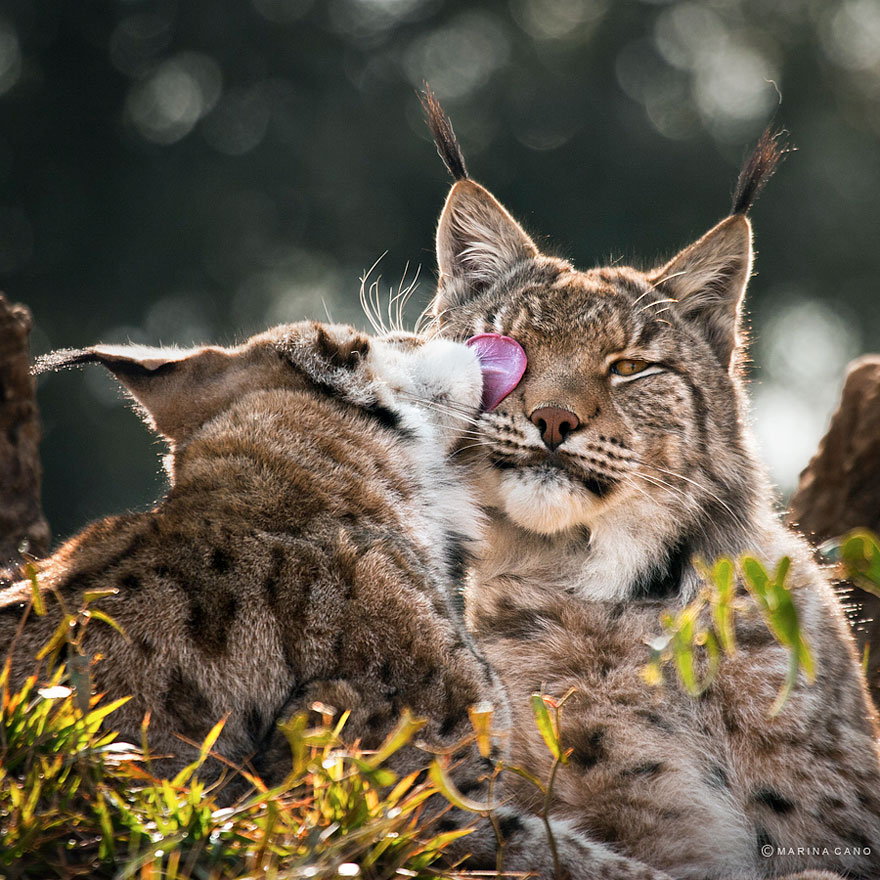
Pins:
x: 503, y: 362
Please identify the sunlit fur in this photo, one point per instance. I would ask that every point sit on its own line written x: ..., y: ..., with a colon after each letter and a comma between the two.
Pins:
x: 311, y: 548
x: 589, y: 543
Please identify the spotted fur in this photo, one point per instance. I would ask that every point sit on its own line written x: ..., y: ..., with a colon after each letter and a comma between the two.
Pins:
x: 590, y: 541
x: 309, y: 549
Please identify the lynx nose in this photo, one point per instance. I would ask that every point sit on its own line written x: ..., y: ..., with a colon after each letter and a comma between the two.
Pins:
x: 554, y: 423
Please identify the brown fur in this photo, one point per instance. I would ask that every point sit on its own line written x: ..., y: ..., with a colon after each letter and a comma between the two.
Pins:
x: 308, y: 550
x: 588, y: 543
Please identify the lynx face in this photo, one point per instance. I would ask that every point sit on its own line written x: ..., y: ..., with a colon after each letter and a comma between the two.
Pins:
x: 630, y: 405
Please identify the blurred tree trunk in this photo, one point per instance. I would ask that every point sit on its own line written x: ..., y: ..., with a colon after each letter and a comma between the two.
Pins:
x: 839, y: 490
x: 22, y: 523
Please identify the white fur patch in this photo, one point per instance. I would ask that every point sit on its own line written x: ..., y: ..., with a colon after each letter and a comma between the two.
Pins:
x: 435, y: 388
x: 545, y: 501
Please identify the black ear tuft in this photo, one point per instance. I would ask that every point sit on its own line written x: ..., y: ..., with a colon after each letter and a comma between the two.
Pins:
x: 770, y: 150
x: 65, y: 357
x: 444, y: 137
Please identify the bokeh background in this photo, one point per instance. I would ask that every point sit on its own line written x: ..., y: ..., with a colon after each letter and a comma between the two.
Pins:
x: 196, y: 170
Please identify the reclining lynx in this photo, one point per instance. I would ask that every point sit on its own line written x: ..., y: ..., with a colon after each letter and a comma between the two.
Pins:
x: 622, y: 455
x: 309, y: 549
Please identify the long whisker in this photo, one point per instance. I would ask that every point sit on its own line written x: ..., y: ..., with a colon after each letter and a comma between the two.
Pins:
x: 433, y: 322
x: 737, y: 518
x: 714, y: 495
x: 376, y: 299
x: 656, y: 481
x: 447, y: 404
x: 669, y: 277
x: 655, y: 302
x: 401, y: 297
x: 444, y: 409
x: 634, y: 485
x: 468, y: 446
x: 366, y: 297
x: 641, y: 296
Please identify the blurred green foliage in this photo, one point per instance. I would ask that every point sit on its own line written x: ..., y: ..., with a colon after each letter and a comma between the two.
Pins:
x: 187, y: 171
x: 695, y: 638
x: 858, y: 557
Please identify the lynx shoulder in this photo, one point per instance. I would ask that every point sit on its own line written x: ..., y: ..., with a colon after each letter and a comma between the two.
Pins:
x: 623, y: 455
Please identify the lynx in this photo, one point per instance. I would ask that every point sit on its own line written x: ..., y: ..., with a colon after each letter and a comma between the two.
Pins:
x: 309, y: 549
x: 621, y: 458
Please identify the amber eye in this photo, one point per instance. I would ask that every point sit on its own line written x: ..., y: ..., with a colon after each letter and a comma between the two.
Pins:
x: 628, y: 368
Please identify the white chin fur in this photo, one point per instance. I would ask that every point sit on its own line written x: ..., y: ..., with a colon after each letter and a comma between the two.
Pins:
x: 545, y: 506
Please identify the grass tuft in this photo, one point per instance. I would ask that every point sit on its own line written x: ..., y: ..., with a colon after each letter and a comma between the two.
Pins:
x: 76, y: 802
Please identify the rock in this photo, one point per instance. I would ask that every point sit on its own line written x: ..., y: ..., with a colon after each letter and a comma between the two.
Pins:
x: 21, y: 514
x: 839, y: 490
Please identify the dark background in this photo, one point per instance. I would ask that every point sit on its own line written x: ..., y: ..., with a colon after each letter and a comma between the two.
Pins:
x: 194, y: 171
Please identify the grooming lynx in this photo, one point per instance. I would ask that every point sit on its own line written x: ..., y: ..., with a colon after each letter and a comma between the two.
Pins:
x: 309, y: 549
x: 622, y: 456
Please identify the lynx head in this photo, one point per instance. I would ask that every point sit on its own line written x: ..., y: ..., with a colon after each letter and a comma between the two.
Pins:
x: 426, y: 389
x: 630, y: 411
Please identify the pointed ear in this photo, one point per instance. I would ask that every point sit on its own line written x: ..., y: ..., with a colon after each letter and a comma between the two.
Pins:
x: 708, y: 280
x: 477, y: 242
x: 173, y: 387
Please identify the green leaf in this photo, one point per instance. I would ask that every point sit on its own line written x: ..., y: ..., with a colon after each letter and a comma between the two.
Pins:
x: 402, y: 787
x: 106, y: 848
x: 480, y: 716
x: 684, y: 663
x: 440, y: 841
x: 510, y: 768
x: 447, y: 788
x: 337, y: 730
x: 723, y: 579
x: 403, y: 732
x: 30, y: 571
x: 106, y: 618
x: 859, y: 553
x: 756, y: 577
x: 90, y: 596
x: 99, y: 714
x: 211, y: 738
x: 775, y: 601
x: 546, y: 725
x: 58, y: 637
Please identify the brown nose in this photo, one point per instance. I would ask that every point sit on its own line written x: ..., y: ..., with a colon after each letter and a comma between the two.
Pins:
x: 554, y: 423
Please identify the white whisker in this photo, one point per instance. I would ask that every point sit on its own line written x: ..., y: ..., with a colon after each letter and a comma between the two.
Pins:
x: 669, y: 277
x: 641, y: 296
x: 655, y: 302
x: 366, y: 298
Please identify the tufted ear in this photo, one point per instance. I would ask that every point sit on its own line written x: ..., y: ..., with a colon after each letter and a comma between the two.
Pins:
x: 477, y: 242
x: 708, y: 281
x: 174, y: 388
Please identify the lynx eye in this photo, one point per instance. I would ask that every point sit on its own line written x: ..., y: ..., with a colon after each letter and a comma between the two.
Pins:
x: 628, y: 367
